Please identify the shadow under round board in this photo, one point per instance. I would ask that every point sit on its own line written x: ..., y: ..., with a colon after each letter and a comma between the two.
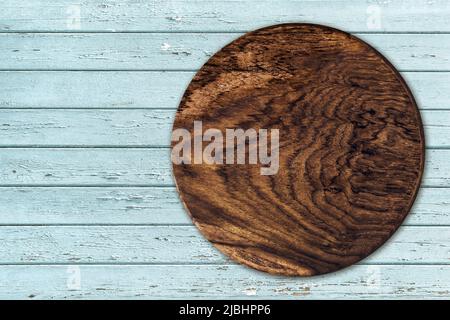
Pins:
x: 350, y: 149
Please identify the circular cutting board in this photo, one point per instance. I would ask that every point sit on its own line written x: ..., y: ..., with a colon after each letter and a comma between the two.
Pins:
x: 351, y: 150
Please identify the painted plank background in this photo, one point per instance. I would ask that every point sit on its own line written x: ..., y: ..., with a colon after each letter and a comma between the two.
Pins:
x: 127, y: 167
x: 131, y: 127
x: 88, y: 207
x: 131, y: 90
x: 226, y: 281
x: 178, y: 244
x: 221, y: 15
x: 183, y: 51
x: 148, y: 206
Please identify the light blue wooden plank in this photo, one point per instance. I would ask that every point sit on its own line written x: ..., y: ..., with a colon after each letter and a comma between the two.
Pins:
x: 430, y: 89
x: 106, y: 244
x: 220, y: 282
x: 135, y: 167
x: 437, y: 128
x: 132, y: 127
x: 436, y: 164
x: 123, y: 206
x: 432, y: 204
x: 102, y: 89
x: 86, y: 127
x: 183, y: 51
x: 85, y: 166
x: 179, y: 244
x: 152, y: 205
x: 129, y: 15
x: 162, y: 90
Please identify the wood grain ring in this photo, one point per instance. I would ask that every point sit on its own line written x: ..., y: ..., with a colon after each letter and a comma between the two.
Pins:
x: 351, y: 150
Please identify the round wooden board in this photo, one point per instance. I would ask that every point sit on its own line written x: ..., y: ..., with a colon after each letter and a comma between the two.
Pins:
x: 351, y: 150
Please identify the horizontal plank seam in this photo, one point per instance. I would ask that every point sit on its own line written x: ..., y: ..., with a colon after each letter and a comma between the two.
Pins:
x: 236, y: 31
x: 174, y: 225
x: 102, y: 108
x: 101, y: 70
x: 159, y: 186
x: 157, y: 70
x: 62, y: 185
x: 169, y: 70
x: 131, y: 146
x: 225, y: 263
x: 84, y: 147
x: 97, y: 70
x: 135, y: 108
x: 12, y: 185
x: 87, y: 224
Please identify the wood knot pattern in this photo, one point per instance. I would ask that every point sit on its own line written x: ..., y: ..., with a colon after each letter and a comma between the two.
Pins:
x: 351, y: 150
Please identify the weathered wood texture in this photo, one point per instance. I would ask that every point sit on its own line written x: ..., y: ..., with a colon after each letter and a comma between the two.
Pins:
x: 141, y: 89
x: 178, y: 244
x: 219, y: 282
x: 132, y: 166
x: 225, y: 15
x: 130, y: 90
x: 132, y: 127
x: 351, y: 150
x: 149, y: 206
x: 183, y: 51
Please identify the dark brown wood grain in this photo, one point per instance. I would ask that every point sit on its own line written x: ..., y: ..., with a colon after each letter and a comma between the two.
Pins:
x: 351, y: 150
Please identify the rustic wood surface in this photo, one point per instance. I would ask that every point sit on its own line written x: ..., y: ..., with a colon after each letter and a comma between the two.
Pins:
x: 134, y: 55
x: 351, y: 150
x: 222, y: 15
x: 224, y: 281
x: 117, y: 90
x: 130, y: 128
x: 181, y: 51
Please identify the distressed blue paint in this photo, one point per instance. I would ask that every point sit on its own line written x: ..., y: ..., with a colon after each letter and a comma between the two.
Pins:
x: 220, y: 282
x: 148, y: 206
x: 74, y: 189
x: 130, y: 90
x: 222, y: 15
x: 183, y: 51
x: 179, y: 245
x: 128, y: 127
x: 111, y: 167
